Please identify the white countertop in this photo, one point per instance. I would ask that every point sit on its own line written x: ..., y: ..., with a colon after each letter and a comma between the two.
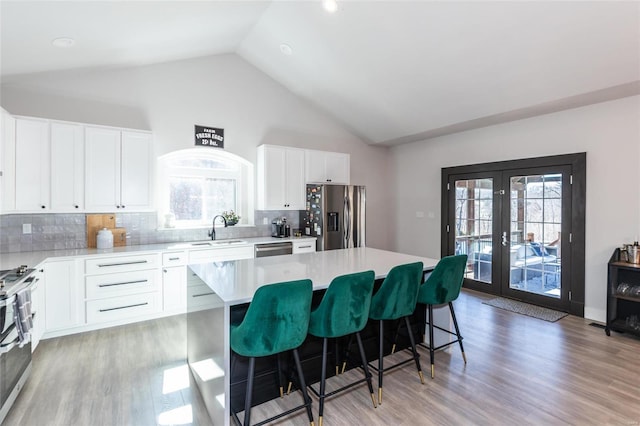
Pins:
x: 236, y: 281
x: 33, y: 258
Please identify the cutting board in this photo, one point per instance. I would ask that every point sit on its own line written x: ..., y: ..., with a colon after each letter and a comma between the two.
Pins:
x: 96, y: 222
x: 119, y: 237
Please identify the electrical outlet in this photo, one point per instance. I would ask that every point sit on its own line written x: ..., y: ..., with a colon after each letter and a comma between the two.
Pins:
x: 419, y: 214
x: 26, y: 228
x: 265, y: 221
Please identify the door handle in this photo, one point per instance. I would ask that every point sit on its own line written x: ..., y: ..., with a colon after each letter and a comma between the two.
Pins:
x: 505, y: 241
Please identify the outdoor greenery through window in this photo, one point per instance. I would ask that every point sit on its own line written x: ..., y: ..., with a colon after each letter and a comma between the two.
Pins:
x: 198, y: 184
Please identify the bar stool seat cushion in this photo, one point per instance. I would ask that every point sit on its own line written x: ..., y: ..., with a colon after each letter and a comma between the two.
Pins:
x: 277, y: 320
x: 398, y: 300
x: 345, y: 306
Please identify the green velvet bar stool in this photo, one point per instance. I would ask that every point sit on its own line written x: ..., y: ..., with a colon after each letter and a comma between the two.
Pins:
x: 396, y: 299
x: 344, y: 310
x: 443, y: 287
x: 276, y: 321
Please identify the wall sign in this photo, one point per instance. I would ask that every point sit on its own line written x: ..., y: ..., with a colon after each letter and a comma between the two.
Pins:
x: 209, y: 136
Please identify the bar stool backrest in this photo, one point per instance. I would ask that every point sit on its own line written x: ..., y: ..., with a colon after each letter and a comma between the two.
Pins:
x: 444, y: 283
x: 277, y: 320
x: 397, y: 296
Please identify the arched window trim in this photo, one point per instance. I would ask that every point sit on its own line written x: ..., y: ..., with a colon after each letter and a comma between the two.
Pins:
x: 242, y: 172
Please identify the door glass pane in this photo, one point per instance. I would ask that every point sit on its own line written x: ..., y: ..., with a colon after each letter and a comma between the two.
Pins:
x: 473, y: 226
x: 534, y: 258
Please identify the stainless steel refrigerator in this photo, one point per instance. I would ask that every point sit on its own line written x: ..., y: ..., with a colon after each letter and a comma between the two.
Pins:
x: 335, y: 214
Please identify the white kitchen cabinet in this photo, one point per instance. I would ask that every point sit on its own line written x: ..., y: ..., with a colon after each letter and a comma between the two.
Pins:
x: 7, y: 161
x: 308, y: 245
x: 327, y: 167
x: 63, y: 296
x: 67, y: 167
x: 281, y: 184
x: 117, y: 169
x: 122, y: 288
x: 32, y: 168
x: 174, y: 281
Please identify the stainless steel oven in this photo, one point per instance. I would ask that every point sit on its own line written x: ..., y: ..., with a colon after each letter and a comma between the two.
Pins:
x: 15, y: 360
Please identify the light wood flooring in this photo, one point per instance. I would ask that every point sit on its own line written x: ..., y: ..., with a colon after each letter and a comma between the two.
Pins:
x: 520, y: 370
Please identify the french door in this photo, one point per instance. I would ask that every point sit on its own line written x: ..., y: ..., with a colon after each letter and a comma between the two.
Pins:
x: 516, y: 225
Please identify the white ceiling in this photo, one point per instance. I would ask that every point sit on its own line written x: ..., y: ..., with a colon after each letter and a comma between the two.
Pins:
x: 391, y: 71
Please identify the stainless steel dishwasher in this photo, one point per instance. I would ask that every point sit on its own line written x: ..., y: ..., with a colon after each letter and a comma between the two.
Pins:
x: 274, y: 249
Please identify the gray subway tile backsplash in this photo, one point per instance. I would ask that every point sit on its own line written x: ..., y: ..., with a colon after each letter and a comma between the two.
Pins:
x: 51, y: 231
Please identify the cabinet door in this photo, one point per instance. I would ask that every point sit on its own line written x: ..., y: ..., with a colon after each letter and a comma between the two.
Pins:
x: 62, y: 296
x: 337, y: 167
x: 136, y: 171
x: 174, y: 288
x: 67, y: 167
x: 32, y: 165
x: 294, y: 188
x: 271, y: 177
x: 314, y: 166
x: 102, y: 169
x: 7, y: 161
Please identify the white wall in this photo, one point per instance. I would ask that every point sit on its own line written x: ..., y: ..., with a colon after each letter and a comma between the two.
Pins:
x: 608, y: 132
x: 220, y: 91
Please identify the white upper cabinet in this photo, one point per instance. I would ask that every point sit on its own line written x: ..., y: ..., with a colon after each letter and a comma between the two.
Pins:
x: 67, y: 167
x: 135, y: 170
x: 280, y: 178
x: 118, y: 170
x: 32, y: 165
x: 327, y: 167
x: 7, y: 161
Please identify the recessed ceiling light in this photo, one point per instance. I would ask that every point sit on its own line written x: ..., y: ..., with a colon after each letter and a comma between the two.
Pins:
x: 330, y: 5
x: 63, y: 42
x: 286, y: 49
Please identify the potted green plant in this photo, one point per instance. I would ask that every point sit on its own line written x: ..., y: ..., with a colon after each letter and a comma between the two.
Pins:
x: 231, y: 217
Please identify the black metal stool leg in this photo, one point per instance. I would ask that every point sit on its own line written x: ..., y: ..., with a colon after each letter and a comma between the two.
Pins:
x: 249, y: 392
x: 323, y: 379
x: 365, y: 365
x: 431, y: 342
x: 395, y: 338
x: 279, y: 362
x: 303, y: 386
x: 455, y: 324
x: 336, y: 356
x: 380, y: 363
x: 416, y: 357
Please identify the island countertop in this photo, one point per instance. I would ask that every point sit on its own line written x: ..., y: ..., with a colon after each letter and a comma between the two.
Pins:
x: 236, y: 282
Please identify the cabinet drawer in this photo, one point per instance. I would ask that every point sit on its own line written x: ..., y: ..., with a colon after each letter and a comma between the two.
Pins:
x: 220, y: 255
x: 199, y: 296
x: 304, y: 246
x: 117, y: 308
x: 105, y: 265
x: 177, y: 258
x: 121, y: 284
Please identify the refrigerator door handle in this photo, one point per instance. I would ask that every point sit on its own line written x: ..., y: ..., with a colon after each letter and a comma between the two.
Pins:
x: 347, y: 222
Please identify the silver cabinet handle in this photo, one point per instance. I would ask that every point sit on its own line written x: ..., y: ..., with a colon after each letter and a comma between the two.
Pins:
x: 203, y: 294
x: 304, y: 247
x: 123, y: 283
x: 124, y: 307
x: 174, y: 258
x: 137, y: 262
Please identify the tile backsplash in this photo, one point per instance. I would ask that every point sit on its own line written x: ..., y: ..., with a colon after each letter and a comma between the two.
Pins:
x: 69, y: 231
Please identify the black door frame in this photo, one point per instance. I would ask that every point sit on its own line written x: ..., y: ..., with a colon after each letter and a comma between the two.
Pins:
x: 576, y: 246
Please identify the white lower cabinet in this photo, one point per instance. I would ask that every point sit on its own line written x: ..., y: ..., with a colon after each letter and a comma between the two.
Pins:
x: 63, y: 296
x: 304, y: 246
x: 118, y: 288
x: 174, y: 282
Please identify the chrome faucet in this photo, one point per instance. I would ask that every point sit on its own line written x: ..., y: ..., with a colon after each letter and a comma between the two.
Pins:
x: 212, y: 233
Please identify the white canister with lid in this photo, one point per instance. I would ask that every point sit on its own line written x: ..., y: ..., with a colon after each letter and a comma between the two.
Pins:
x: 104, y: 239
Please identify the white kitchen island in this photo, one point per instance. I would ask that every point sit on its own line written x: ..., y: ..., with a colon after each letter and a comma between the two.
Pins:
x: 221, y: 286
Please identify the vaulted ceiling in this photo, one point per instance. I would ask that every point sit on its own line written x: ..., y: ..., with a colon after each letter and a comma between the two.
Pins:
x: 390, y: 71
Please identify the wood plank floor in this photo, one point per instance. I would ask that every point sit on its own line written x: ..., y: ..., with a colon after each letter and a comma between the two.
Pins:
x: 520, y: 370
